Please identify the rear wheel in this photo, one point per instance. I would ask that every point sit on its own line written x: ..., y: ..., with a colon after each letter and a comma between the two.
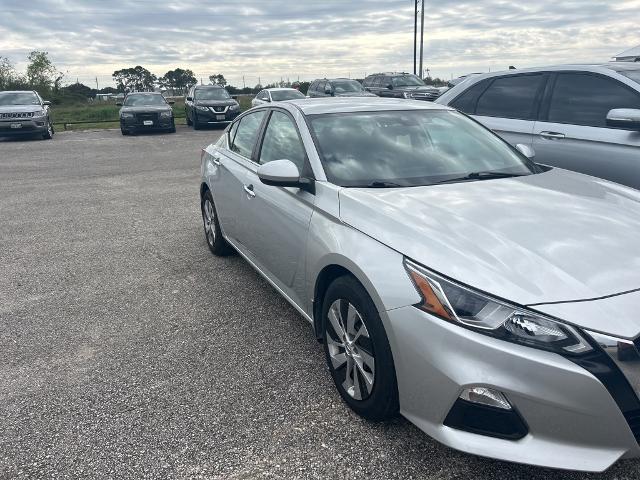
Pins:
x: 212, y: 232
x: 357, y: 351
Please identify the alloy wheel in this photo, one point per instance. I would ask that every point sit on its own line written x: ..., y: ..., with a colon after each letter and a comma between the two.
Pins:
x: 209, y: 216
x: 350, y: 349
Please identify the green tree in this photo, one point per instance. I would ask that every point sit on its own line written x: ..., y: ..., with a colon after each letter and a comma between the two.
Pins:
x: 8, y: 74
x: 136, y: 79
x: 218, y: 80
x: 80, y: 89
x: 178, y: 79
x: 41, y: 73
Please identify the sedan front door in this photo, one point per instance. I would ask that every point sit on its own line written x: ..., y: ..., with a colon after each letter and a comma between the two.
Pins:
x: 279, y: 217
x: 573, y: 133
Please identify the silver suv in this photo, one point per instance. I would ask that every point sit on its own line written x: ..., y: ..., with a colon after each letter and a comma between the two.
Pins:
x: 24, y: 113
x: 579, y: 117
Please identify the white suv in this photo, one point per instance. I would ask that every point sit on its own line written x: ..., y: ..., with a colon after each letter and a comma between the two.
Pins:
x: 579, y: 117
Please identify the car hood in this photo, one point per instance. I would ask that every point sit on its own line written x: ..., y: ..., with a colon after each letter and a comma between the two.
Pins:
x: 557, y: 236
x: 355, y: 94
x: 216, y: 103
x: 146, y: 109
x: 19, y: 108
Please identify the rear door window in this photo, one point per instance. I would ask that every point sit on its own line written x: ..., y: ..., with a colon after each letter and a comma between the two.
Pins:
x: 515, y: 96
x: 585, y: 99
x: 247, y: 133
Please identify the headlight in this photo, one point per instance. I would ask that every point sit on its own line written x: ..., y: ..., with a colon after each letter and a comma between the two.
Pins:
x: 203, y: 108
x: 39, y: 113
x: 406, y: 95
x: 126, y: 115
x: 167, y: 114
x: 463, y: 306
x: 234, y: 107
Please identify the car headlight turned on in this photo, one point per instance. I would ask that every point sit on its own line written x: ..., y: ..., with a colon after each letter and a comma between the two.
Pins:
x: 167, y: 114
x: 126, y: 115
x: 471, y: 309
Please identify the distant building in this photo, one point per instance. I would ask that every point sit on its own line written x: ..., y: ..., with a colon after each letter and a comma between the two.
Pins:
x: 631, y: 55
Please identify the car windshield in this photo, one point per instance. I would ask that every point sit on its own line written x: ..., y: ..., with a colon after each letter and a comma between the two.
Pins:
x: 346, y: 86
x: 410, y: 148
x: 19, y: 98
x: 212, y: 94
x: 407, y: 81
x: 143, y: 99
x: 632, y: 74
x: 280, y: 95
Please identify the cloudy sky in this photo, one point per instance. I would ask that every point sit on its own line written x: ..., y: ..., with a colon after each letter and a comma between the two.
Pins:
x: 271, y: 39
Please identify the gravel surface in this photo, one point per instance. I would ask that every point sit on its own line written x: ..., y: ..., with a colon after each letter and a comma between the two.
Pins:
x: 128, y: 351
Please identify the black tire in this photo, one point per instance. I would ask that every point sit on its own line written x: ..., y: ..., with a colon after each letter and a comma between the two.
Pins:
x: 48, y: 134
x: 381, y: 402
x: 212, y: 231
x: 189, y: 122
x: 173, y: 128
x: 196, y: 125
x: 123, y: 131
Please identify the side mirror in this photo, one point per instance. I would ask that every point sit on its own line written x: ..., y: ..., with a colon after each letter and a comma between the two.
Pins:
x: 46, y: 102
x: 328, y: 90
x: 171, y: 102
x: 267, y: 99
x: 279, y: 173
x: 626, y: 118
x: 189, y: 99
x: 390, y: 86
x: 526, y: 150
x: 118, y: 104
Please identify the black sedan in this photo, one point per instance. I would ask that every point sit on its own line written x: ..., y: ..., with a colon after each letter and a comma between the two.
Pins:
x: 146, y: 112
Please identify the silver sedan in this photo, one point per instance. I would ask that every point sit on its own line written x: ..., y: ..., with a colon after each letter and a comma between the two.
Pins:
x: 269, y: 95
x: 491, y: 301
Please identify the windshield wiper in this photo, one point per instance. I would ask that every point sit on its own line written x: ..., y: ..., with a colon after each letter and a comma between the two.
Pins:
x: 482, y: 176
x: 383, y: 184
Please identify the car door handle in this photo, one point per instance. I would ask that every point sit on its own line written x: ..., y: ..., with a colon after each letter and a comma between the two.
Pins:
x: 248, y: 189
x: 552, y: 135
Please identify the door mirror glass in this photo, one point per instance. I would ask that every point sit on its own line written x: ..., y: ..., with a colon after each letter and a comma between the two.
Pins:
x: 279, y: 173
x: 118, y: 104
x: 526, y: 150
x: 46, y: 102
x: 189, y: 99
x: 627, y: 118
x: 328, y: 90
x: 171, y: 102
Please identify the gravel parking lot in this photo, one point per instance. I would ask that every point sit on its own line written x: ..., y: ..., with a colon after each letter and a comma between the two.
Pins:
x: 128, y: 351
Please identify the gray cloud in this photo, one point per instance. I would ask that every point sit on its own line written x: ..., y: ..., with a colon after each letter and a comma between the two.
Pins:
x: 276, y: 38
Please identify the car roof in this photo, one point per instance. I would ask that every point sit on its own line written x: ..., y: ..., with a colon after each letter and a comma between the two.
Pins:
x: 144, y: 93
x: 278, y: 89
x: 587, y: 67
x: 316, y: 106
x: 17, y: 91
x: 198, y: 87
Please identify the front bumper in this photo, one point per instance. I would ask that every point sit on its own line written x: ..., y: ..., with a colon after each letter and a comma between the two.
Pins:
x: 215, y: 115
x: 137, y: 123
x: 573, y: 421
x: 427, y: 97
x: 27, y: 127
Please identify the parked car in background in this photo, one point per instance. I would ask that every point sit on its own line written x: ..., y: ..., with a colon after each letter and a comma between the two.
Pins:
x: 490, y: 300
x: 400, y: 85
x: 336, y: 87
x: 269, y: 95
x: 209, y: 105
x: 579, y: 117
x: 146, y: 112
x: 23, y: 112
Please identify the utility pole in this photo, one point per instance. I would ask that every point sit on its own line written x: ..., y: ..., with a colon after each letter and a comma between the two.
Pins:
x: 243, y: 84
x: 421, y: 36
x: 415, y: 37
x: 97, y: 88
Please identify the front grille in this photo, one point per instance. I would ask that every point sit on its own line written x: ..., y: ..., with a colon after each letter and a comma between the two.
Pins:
x: 633, y: 418
x: 219, y: 109
x: 16, y: 115
x: 141, y: 117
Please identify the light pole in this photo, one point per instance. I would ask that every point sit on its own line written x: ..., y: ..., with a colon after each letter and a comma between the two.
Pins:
x: 421, y: 36
x: 415, y: 37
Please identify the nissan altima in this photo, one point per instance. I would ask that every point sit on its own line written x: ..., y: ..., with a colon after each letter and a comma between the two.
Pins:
x: 491, y: 301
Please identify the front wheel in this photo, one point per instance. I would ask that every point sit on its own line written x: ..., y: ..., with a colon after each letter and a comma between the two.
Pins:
x: 357, y: 351
x: 212, y: 231
x: 48, y: 134
x: 189, y: 123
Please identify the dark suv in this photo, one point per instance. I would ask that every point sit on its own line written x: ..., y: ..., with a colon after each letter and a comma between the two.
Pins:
x: 336, y: 87
x: 24, y: 113
x: 209, y: 105
x: 146, y: 111
x: 400, y: 85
